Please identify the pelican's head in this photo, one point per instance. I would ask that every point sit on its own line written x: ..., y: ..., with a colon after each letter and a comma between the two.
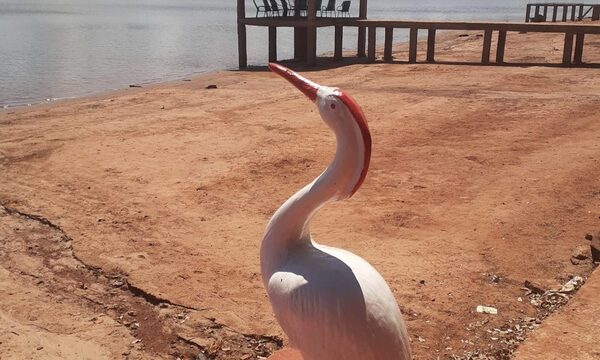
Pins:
x: 340, y: 111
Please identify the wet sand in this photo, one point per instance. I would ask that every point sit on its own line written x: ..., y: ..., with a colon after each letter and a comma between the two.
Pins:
x: 131, y: 222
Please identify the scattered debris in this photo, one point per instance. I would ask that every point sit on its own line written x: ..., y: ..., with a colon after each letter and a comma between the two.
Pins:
x: 510, y: 335
x: 487, y: 310
x: 211, y: 86
x: 135, y: 86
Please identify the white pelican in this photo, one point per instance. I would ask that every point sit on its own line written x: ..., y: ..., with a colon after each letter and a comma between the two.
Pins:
x: 332, y: 304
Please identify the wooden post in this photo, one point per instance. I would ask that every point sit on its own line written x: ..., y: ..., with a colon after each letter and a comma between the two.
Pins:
x: 300, y: 36
x: 389, y: 40
x: 431, y: 45
x: 596, y: 13
x: 565, y: 12
x: 554, y: 12
x: 573, y: 11
x: 339, y: 38
x: 242, y: 47
x: 568, y: 49
x: 362, y: 10
x: 272, y: 44
x: 580, y: 12
x: 579, y: 49
x: 501, y: 46
x: 311, y: 46
x: 362, y: 39
x: 311, y: 34
x: 528, y: 13
x: 487, y: 46
x: 537, y: 10
x: 412, y: 51
x: 362, y: 31
x: 372, y: 39
x: 545, y: 13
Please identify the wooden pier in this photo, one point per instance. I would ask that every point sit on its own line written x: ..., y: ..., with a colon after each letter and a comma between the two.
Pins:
x: 539, y: 12
x: 305, y: 34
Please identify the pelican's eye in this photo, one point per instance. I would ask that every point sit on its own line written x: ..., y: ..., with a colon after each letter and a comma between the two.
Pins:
x: 332, y: 106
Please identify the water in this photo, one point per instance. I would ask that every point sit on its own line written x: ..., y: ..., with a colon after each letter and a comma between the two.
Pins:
x: 54, y: 49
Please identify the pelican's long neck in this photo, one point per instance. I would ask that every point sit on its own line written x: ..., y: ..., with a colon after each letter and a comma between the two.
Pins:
x: 289, y: 226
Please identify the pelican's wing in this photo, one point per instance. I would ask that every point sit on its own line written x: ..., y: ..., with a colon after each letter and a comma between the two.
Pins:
x: 333, y: 305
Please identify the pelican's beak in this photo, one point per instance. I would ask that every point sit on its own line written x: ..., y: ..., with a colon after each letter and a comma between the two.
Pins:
x: 308, y: 87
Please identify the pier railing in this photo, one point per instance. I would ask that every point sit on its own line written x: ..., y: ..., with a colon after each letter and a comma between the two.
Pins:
x: 572, y: 51
x: 540, y: 12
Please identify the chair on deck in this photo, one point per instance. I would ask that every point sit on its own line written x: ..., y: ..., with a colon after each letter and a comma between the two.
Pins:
x: 301, y: 6
x: 275, y: 8
x: 344, y: 9
x: 318, y: 5
x: 259, y: 9
x: 329, y: 9
x: 287, y: 10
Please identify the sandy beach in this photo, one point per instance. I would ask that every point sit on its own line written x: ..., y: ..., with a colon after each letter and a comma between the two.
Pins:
x: 130, y: 222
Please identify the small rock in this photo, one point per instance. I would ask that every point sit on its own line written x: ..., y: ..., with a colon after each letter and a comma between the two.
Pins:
x: 117, y: 283
x: 135, y: 86
x: 589, y: 237
x: 580, y: 252
x: 533, y: 287
x: 422, y: 282
x: 572, y: 285
x: 39, y: 348
x: 487, y: 310
x: 211, y: 86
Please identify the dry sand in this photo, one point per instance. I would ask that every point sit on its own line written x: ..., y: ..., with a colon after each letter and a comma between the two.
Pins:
x: 130, y: 222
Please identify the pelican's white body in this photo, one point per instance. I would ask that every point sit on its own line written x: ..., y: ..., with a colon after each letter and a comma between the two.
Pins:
x: 332, y: 304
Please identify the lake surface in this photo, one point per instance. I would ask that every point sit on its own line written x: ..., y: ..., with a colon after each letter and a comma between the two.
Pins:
x: 52, y: 49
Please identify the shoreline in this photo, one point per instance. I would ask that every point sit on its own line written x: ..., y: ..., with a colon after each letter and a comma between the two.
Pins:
x: 100, y: 93
x: 445, y: 36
